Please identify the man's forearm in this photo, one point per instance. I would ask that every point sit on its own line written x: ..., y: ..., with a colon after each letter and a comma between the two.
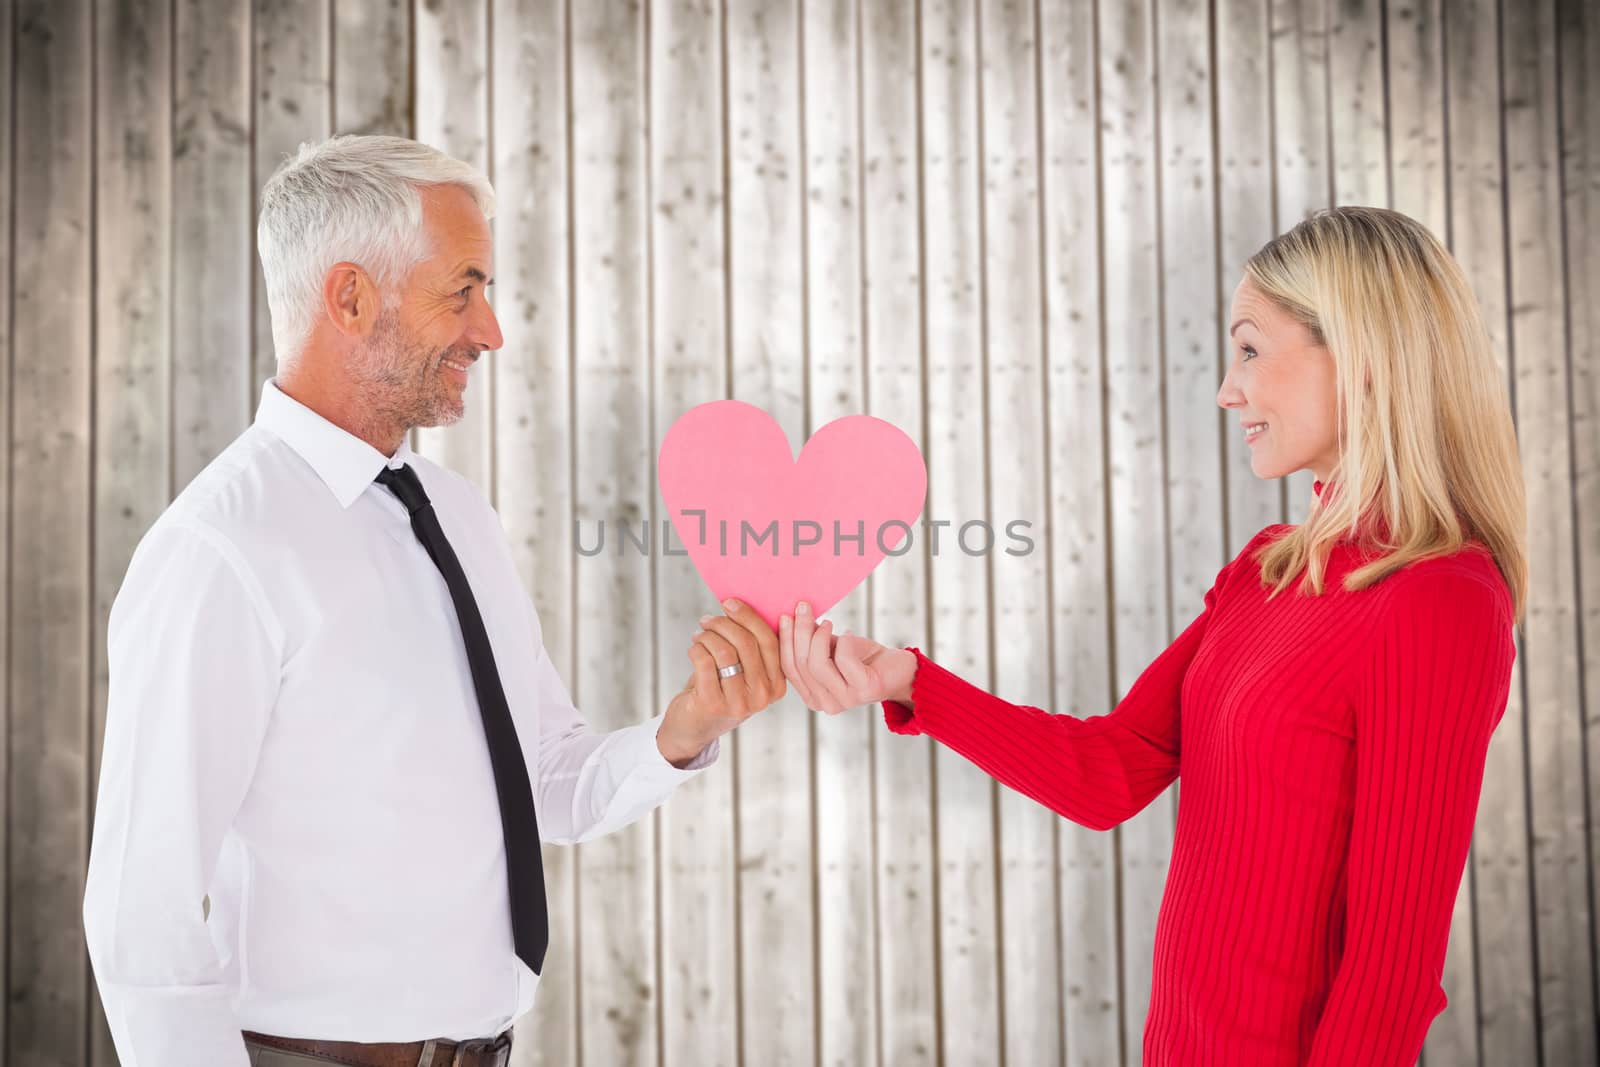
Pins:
x: 675, y: 751
x: 679, y: 741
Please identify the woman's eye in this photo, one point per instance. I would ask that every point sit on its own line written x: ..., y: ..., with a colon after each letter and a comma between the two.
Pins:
x: 1247, y: 351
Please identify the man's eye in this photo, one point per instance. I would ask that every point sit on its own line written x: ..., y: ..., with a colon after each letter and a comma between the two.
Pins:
x: 465, y: 293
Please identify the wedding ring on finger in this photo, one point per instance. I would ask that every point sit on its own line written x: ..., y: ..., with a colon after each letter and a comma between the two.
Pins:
x: 729, y: 672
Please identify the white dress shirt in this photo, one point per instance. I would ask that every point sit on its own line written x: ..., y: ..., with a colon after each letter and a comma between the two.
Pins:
x: 292, y: 728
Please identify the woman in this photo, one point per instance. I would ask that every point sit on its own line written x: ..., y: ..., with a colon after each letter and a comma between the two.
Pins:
x: 1331, y: 706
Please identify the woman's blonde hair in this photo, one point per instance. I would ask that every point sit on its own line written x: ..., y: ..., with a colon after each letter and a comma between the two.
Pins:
x: 1427, y: 450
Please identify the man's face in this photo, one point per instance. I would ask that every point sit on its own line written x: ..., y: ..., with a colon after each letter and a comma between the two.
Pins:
x: 414, y: 365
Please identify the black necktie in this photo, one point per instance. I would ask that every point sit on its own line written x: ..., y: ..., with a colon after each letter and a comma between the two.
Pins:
x: 530, y: 920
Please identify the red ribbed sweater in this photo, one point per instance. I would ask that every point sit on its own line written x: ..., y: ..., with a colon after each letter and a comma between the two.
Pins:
x: 1332, y: 749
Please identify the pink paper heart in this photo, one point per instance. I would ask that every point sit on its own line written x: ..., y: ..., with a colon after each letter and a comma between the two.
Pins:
x: 733, y: 461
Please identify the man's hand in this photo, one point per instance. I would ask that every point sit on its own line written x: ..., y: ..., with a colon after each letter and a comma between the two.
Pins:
x: 710, y: 705
x: 834, y: 672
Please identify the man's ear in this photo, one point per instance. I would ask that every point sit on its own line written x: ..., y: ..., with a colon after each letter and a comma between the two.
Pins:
x: 350, y: 299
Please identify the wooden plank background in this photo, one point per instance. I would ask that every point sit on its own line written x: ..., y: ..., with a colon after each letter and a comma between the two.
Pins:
x: 1012, y: 227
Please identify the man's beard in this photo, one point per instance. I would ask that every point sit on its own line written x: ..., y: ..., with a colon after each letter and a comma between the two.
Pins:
x: 400, y: 378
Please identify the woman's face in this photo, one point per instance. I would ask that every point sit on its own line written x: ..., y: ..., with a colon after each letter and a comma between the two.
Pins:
x: 1280, y: 378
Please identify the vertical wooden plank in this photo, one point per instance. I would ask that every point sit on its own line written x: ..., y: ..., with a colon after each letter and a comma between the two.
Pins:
x: 372, y: 67
x: 1077, y: 535
x: 1300, y: 107
x: 453, y: 116
x: 133, y: 326
x: 1134, y: 440
x: 1416, y: 112
x: 1245, y: 222
x: 7, y: 241
x: 966, y: 904
x: 535, y: 425
x: 1356, y: 104
x: 1551, y: 650
x: 292, y: 103
x: 902, y: 799
x: 1190, y: 321
x: 1500, y: 875
x: 699, y: 966
x: 211, y: 179
x: 847, y: 997
x: 1300, y: 136
x: 1578, y: 34
x: 615, y: 457
x: 1013, y: 323
x: 766, y: 279
x: 51, y: 501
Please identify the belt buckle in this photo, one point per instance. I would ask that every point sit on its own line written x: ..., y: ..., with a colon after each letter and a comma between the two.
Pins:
x: 498, y: 1043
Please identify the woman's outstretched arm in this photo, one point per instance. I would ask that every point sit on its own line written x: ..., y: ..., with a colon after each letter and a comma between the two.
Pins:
x: 1095, y: 771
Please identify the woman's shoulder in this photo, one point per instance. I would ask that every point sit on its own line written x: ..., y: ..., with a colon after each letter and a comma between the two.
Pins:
x: 1471, y: 562
x: 1467, y: 579
x: 1465, y: 575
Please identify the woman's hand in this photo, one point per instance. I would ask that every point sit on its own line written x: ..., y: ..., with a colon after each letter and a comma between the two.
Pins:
x: 832, y: 673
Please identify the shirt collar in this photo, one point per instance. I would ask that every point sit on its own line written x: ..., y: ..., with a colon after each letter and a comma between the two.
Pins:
x: 345, y: 463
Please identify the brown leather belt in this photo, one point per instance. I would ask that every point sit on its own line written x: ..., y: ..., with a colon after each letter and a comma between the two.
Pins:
x: 479, y: 1052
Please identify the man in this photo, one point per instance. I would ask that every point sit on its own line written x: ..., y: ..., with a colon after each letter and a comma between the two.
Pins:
x: 330, y: 705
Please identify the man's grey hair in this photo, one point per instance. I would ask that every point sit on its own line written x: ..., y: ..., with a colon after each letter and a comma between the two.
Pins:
x: 348, y: 198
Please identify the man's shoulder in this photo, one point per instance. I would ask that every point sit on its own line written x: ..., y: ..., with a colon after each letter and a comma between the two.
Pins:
x: 234, y: 486
x: 241, y: 501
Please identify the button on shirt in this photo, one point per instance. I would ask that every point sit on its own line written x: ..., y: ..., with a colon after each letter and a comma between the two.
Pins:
x: 292, y: 728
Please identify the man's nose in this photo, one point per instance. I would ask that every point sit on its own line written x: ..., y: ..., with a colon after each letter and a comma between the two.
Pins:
x: 485, y: 328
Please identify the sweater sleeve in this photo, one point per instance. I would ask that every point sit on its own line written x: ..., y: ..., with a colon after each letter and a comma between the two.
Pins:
x: 1425, y: 707
x: 1096, y: 771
